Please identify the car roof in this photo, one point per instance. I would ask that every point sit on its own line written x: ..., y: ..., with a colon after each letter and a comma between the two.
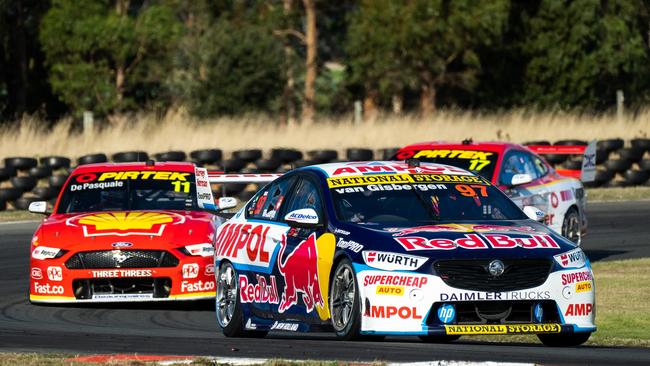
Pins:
x: 481, y: 145
x: 109, y: 167
x: 356, y: 168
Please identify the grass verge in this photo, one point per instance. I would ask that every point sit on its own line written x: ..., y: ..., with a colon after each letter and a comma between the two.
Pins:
x: 618, y: 194
x: 6, y: 216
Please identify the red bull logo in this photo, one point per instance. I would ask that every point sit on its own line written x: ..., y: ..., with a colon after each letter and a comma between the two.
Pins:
x: 300, y: 271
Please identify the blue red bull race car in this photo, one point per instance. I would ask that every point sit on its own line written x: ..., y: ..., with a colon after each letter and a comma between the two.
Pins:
x: 369, y: 249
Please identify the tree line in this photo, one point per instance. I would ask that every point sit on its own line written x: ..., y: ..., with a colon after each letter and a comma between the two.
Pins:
x: 298, y: 59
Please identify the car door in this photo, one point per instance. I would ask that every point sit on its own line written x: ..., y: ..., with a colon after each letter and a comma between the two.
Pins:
x: 304, y: 273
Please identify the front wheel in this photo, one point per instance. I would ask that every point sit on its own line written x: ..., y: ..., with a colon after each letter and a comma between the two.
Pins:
x: 228, y: 304
x: 571, y: 226
x: 564, y: 340
x: 344, y: 302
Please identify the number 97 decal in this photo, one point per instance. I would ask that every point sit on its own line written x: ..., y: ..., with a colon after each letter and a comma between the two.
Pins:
x: 469, y: 190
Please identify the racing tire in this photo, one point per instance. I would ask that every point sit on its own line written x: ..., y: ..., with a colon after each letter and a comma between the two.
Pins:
x: 571, y: 226
x: 130, y: 156
x: 630, y: 153
x: 171, y: 156
x: 57, y: 181
x: 6, y: 173
x: 268, y: 165
x: 601, y: 156
x: 323, y: 156
x: 570, y: 143
x: 573, y: 164
x: 25, y: 183
x: 20, y: 163
x: 564, y: 340
x: 618, y: 165
x: 10, y: 194
x: 55, y: 162
x: 286, y: 155
x: 388, y: 153
x: 636, y: 177
x: 301, y: 163
x: 232, y: 165
x: 228, y: 304
x: 209, y: 156
x: 641, y: 144
x: 40, y: 172
x: 603, y: 177
x: 248, y: 156
x: 3, y: 205
x: 645, y: 165
x: 345, y: 303
x: 45, y: 193
x: 610, y: 144
x: 359, y: 154
x: 23, y: 203
x: 92, y: 159
x: 438, y: 338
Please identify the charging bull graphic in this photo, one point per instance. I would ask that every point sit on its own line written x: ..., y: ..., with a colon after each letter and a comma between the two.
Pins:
x: 300, y: 271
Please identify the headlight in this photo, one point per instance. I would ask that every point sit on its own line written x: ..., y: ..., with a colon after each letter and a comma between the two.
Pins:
x: 202, y: 250
x: 47, y: 253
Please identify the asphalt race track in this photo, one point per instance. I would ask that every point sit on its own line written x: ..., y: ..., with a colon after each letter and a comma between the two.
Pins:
x: 617, y: 231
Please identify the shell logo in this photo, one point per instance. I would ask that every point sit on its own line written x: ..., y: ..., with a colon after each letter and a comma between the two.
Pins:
x: 125, y: 223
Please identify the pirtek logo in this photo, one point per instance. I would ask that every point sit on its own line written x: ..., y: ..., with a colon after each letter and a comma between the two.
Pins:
x: 579, y: 310
x: 388, y: 312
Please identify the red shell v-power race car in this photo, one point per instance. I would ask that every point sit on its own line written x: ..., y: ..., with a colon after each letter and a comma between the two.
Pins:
x: 127, y: 232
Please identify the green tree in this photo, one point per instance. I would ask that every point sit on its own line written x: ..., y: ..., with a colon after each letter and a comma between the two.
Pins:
x: 229, y: 62
x: 106, y: 55
x: 421, y: 44
x: 582, y: 51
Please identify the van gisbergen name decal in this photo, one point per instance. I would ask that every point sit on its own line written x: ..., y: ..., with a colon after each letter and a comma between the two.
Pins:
x: 362, y: 180
x: 479, y: 241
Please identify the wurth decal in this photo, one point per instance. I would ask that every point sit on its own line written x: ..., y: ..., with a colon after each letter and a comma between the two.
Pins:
x: 300, y: 271
x: 479, y: 241
x: 571, y: 259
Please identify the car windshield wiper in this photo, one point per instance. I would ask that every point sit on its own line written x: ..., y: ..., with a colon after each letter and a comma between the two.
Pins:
x: 435, y: 216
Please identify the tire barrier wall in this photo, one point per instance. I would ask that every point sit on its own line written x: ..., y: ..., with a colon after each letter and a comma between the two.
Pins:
x: 25, y: 179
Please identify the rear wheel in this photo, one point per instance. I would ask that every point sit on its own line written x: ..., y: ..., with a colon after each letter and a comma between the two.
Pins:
x: 438, y: 338
x: 571, y: 226
x: 344, y: 302
x: 564, y: 340
x: 228, y: 305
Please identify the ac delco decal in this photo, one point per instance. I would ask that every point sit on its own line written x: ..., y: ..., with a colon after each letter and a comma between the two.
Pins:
x: 476, y: 241
x: 148, y: 174
x: 362, y: 180
x: 263, y: 292
x: 569, y: 278
x: 244, y: 241
x: 388, y: 312
x: 502, y: 329
x: 395, y: 280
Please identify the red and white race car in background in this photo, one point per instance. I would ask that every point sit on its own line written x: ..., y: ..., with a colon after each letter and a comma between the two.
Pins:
x: 527, y: 178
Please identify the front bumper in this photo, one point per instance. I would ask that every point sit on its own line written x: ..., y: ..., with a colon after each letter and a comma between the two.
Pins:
x: 408, y: 303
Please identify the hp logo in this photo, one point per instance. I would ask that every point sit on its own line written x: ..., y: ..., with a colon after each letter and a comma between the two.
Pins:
x: 446, y: 313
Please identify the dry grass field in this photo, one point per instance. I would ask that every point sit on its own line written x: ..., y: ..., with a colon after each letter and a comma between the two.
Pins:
x: 178, y: 131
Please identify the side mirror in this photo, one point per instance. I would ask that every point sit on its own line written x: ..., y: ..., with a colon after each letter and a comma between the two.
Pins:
x: 224, y: 203
x: 39, y: 207
x: 519, y: 179
x: 304, y: 218
x: 534, y: 213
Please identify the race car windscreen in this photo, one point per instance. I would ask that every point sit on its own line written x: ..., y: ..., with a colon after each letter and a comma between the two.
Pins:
x: 419, y: 198
x: 477, y: 162
x: 129, y: 190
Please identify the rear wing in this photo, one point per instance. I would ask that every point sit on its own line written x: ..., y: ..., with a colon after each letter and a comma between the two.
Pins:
x: 222, y: 178
x: 588, y: 171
